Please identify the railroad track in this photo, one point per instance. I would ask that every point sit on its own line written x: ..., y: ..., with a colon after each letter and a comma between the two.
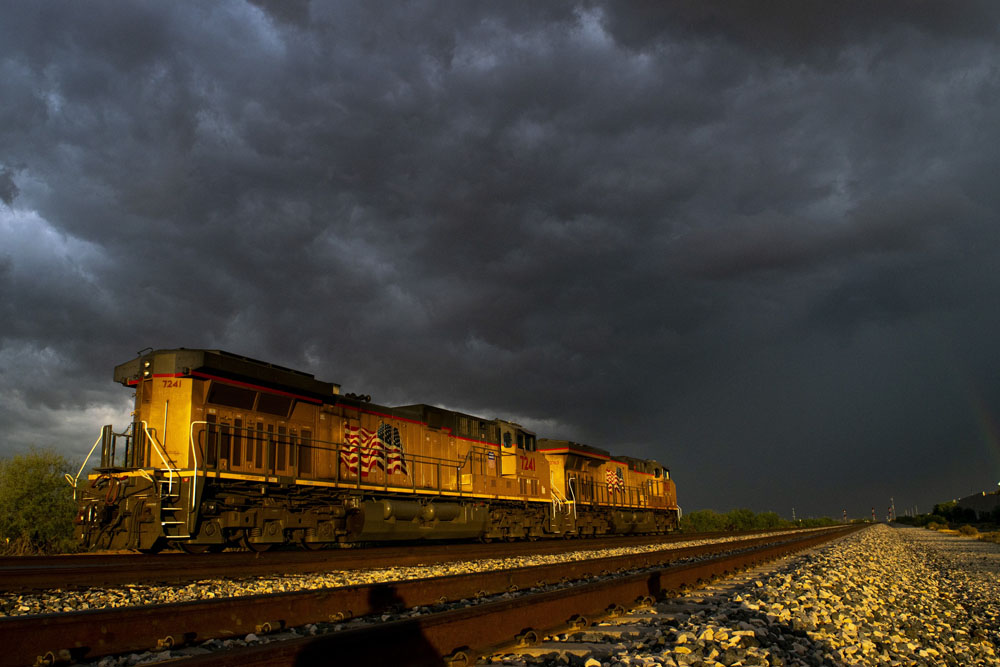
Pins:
x: 27, y: 573
x: 455, y: 635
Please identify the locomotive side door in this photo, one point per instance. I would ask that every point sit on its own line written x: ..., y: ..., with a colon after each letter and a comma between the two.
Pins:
x: 327, y: 445
x: 224, y: 440
x: 508, y: 454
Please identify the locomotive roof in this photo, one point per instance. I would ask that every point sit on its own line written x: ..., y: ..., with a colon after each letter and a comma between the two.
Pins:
x: 645, y: 463
x: 182, y: 362
x: 557, y: 446
x: 422, y: 410
x: 574, y: 447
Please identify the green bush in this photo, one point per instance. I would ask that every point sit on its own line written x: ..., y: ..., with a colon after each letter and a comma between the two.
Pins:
x: 36, y: 504
x: 950, y: 512
x: 946, y: 509
x: 741, y: 519
x: 704, y: 521
x: 819, y: 522
x: 918, y: 520
x: 971, y: 531
x: 769, y: 520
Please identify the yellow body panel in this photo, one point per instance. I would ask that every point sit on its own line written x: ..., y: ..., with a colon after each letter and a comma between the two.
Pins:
x: 311, y: 444
x: 164, y: 404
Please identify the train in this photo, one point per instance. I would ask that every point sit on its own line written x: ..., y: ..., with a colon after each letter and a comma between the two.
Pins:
x: 228, y: 451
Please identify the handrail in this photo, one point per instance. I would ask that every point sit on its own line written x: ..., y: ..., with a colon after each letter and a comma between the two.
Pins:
x: 458, y: 470
x: 194, y: 460
x: 158, y: 447
x: 163, y: 456
x: 557, y: 500
x: 74, y: 480
x: 572, y: 493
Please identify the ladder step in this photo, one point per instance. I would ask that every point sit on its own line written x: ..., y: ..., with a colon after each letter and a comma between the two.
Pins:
x: 164, y: 523
x: 171, y: 508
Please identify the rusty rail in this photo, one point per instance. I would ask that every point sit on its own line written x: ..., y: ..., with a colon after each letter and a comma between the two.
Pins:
x: 25, y: 573
x: 456, y: 638
x: 90, y: 634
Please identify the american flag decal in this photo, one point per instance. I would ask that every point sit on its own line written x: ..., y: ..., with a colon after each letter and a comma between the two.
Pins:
x: 394, y: 459
x: 614, y: 479
x: 379, y: 449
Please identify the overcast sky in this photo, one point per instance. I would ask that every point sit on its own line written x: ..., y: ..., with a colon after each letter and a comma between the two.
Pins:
x: 759, y: 247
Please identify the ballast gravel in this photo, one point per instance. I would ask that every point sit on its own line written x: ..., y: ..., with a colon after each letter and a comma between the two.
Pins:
x: 56, y: 601
x: 884, y: 596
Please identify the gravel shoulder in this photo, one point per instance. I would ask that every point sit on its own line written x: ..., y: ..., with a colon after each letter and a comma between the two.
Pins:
x: 884, y: 596
x: 57, y: 601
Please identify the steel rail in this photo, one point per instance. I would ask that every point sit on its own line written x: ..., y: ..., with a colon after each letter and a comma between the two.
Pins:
x: 458, y: 637
x: 93, y: 633
x: 26, y: 573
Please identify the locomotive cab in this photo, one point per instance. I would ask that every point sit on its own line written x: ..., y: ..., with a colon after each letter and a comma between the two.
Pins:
x: 516, y: 444
x: 197, y: 413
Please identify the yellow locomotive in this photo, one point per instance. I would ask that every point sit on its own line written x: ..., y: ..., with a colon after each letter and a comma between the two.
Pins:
x: 227, y: 450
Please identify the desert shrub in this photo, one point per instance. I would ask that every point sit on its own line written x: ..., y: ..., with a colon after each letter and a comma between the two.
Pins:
x: 919, y: 520
x: 945, y: 510
x: 990, y: 537
x: 934, y: 525
x: 818, y: 522
x: 971, y: 531
x: 36, y: 504
x: 703, y: 521
x: 950, y: 512
x: 768, y: 521
x: 740, y: 519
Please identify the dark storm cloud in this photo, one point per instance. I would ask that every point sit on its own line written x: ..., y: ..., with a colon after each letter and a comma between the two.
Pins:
x: 797, y: 31
x: 752, y: 244
x: 8, y: 189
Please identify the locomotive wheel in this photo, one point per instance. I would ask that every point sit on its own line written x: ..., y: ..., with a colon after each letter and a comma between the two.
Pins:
x: 311, y: 546
x: 254, y: 546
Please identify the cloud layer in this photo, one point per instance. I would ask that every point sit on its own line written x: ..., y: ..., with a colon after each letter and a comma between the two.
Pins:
x: 757, y: 246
